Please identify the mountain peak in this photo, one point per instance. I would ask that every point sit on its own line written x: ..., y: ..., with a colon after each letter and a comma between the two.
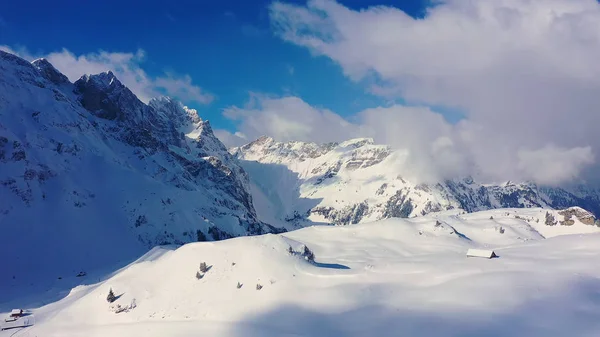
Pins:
x: 175, y: 111
x: 106, y: 97
x: 357, y: 142
x: 49, y: 72
x: 103, y: 79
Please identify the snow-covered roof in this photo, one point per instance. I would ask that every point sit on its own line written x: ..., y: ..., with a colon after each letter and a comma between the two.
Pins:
x: 481, y: 253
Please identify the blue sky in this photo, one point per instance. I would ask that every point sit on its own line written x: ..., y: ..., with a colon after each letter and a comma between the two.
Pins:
x: 227, y: 47
x: 489, y: 82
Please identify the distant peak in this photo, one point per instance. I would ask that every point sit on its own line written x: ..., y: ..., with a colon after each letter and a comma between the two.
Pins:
x: 40, y: 61
x: 103, y: 79
x: 165, y: 102
x: 264, y: 139
x: 49, y: 72
x: 357, y: 142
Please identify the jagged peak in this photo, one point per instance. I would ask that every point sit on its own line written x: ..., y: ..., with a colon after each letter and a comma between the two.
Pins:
x: 357, y: 142
x: 259, y: 142
x: 174, y: 109
x: 41, y: 62
x: 102, y: 80
x: 263, y: 140
x: 206, y: 128
x: 49, y: 71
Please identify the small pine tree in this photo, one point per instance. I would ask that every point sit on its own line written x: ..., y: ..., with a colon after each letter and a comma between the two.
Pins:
x: 491, y: 217
x: 239, y: 285
x: 203, y: 267
x: 111, y: 296
x: 308, y: 254
x: 258, y: 286
x: 199, y: 275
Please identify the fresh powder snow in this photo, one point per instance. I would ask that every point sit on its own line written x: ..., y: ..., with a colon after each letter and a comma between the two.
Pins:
x: 392, y: 277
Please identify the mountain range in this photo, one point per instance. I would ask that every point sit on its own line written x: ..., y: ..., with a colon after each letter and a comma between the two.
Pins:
x: 92, y: 176
x: 357, y: 181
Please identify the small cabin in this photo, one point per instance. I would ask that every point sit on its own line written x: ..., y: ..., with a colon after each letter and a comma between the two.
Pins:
x: 488, y: 254
x: 16, y: 313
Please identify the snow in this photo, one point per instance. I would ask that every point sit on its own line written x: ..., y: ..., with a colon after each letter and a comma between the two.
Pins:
x: 358, y: 181
x: 480, y: 253
x: 86, y: 190
x: 80, y: 193
x: 390, y: 277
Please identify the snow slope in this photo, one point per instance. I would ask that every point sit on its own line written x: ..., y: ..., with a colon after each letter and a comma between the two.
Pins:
x: 91, y: 177
x: 393, y: 277
x: 358, y: 181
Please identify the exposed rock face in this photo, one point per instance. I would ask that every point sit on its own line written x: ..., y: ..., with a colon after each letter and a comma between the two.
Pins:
x: 108, y: 98
x: 550, y: 220
x: 355, y: 181
x: 91, y: 166
x: 579, y: 213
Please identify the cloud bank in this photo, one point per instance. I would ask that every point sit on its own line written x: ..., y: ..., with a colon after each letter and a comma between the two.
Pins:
x: 127, y: 68
x: 524, y: 73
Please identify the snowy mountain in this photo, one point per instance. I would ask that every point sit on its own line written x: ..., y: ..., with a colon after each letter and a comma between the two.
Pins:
x: 92, y: 176
x: 376, y: 279
x: 356, y: 181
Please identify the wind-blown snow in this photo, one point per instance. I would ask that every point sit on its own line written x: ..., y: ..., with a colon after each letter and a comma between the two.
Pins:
x: 396, y: 276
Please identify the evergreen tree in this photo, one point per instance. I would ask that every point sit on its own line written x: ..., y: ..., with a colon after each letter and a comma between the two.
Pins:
x: 111, y: 296
x: 308, y: 254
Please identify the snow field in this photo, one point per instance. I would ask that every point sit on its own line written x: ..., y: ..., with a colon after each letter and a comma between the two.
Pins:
x: 388, y: 278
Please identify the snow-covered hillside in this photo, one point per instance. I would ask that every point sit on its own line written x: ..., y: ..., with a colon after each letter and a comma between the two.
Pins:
x: 394, y: 277
x: 91, y: 176
x: 357, y: 181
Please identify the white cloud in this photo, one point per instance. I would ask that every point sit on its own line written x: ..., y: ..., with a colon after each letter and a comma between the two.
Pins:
x: 20, y: 51
x: 433, y: 148
x: 550, y: 163
x: 182, y: 88
x: 231, y: 139
x: 428, y: 140
x: 287, y: 118
x: 524, y: 73
x: 127, y: 68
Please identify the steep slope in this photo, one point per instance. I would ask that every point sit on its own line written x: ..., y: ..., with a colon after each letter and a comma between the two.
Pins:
x: 374, y: 279
x: 91, y: 176
x: 357, y: 181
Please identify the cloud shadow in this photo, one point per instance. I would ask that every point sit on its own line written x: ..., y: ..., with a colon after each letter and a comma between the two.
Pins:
x: 570, y: 313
